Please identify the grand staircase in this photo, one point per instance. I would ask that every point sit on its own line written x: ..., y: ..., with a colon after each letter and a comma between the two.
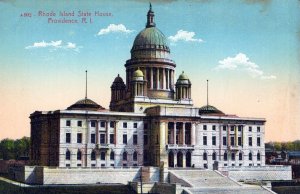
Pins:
x: 209, y: 181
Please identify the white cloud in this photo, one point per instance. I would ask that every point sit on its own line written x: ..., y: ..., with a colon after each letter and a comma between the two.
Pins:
x: 54, y: 45
x: 183, y: 35
x: 242, y: 62
x: 114, y: 28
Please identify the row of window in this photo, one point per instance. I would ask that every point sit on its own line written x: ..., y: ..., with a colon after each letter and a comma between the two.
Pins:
x: 233, y: 155
x: 102, y: 124
x: 102, y: 155
x: 232, y: 141
x: 224, y: 127
x: 103, y: 138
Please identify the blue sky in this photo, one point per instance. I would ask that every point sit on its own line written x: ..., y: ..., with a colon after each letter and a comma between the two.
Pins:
x: 248, y: 49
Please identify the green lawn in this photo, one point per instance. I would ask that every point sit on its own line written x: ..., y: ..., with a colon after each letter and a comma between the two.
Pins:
x: 6, y: 188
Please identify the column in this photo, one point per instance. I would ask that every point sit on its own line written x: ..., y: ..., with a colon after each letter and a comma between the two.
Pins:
x: 175, y: 159
x: 97, y: 132
x: 157, y: 79
x: 183, y: 160
x: 235, y: 135
x: 116, y: 133
x: 107, y: 158
x: 168, y: 79
x: 151, y: 78
x: 174, y: 133
x: 164, y: 78
x: 228, y: 135
x: 183, y: 133
x: 193, y: 134
x: 172, y: 79
x: 107, y: 132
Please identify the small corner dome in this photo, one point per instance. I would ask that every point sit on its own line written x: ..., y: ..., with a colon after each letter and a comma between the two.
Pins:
x: 183, y: 79
x: 85, y: 104
x: 138, y: 73
x: 118, y: 79
x: 208, y: 109
x: 183, y: 76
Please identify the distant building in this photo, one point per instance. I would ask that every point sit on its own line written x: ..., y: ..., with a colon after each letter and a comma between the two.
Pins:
x: 151, y: 121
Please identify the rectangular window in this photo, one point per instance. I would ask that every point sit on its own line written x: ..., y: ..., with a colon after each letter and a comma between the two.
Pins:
x: 214, y: 127
x: 250, y: 141
x: 145, y: 125
x: 111, y: 138
x: 204, y: 127
x: 102, y: 138
x: 135, y: 125
x: 258, y: 129
x: 68, y: 123
x: 250, y: 128
x: 258, y: 141
x: 102, y: 124
x: 79, y: 137
x: 240, y: 141
x: 135, y: 139
x: 214, y: 140
x: 224, y: 128
x: 93, y: 138
x: 239, y: 128
x: 102, y: 156
x: 93, y: 124
x: 125, y: 125
x: 124, y: 138
x: 79, y: 123
x: 112, y: 124
x: 68, y: 165
x: 68, y: 137
x: 204, y: 140
x: 224, y: 140
x: 145, y: 139
x: 232, y: 140
x: 232, y: 128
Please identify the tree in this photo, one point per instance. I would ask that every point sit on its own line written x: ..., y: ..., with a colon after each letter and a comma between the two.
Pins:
x: 13, y: 149
x: 7, y: 149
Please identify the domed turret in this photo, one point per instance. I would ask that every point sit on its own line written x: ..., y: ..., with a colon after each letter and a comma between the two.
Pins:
x: 118, y: 89
x: 137, y: 83
x: 183, y: 87
x: 138, y: 74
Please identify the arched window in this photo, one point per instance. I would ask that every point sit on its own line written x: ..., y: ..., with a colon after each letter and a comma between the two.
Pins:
x: 112, y: 155
x: 102, y: 156
x: 214, y: 156
x: 134, y: 156
x: 225, y: 156
x: 258, y: 156
x: 240, y: 156
x: 78, y: 155
x: 93, y: 155
x: 232, y: 156
x: 250, y: 156
x: 68, y: 155
x: 204, y: 156
x: 125, y: 156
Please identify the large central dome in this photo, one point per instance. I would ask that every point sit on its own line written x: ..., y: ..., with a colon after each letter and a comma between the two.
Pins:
x: 150, y: 37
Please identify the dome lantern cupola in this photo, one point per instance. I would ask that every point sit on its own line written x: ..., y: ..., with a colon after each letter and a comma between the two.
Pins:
x: 150, y: 18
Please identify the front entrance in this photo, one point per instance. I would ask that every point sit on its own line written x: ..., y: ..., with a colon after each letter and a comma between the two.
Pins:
x: 171, y: 159
x: 179, y: 159
x: 188, y: 159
